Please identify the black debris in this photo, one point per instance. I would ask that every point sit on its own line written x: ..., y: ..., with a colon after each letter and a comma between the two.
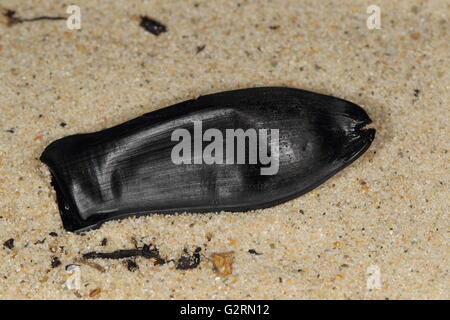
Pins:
x: 253, y: 251
x: 55, y: 262
x: 416, y: 92
x: 12, y: 19
x: 10, y: 130
x: 301, y: 211
x: 150, y: 252
x: 152, y: 26
x: 118, y: 254
x: 200, y: 48
x: 104, y: 242
x: 274, y: 27
x: 9, y: 243
x: 53, y: 234
x: 63, y: 124
x: 40, y: 241
x: 147, y: 251
x: 187, y: 261
x: 131, y: 265
x: 9, y: 13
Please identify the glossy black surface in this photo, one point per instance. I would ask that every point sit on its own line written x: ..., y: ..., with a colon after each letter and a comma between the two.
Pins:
x: 128, y: 170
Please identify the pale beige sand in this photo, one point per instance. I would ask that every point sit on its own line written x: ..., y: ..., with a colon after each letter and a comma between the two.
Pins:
x: 112, y: 71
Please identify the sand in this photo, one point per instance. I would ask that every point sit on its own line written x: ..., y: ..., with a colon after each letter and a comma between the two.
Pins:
x: 376, y: 230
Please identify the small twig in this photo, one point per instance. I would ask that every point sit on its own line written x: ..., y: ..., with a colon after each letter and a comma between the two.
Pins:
x: 43, y: 18
x: 12, y: 19
x: 147, y: 251
x: 187, y: 261
x: 91, y: 264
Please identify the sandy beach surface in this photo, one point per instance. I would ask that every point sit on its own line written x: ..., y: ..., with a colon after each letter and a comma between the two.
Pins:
x: 377, y: 230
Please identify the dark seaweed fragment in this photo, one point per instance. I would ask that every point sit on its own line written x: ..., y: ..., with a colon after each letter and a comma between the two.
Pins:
x: 55, y: 262
x: 131, y: 265
x: 150, y: 252
x: 152, y: 26
x: 200, y: 48
x: 9, y: 243
x: 187, y: 261
x: 253, y: 251
x: 147, y: 251
x: 118, y: 254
